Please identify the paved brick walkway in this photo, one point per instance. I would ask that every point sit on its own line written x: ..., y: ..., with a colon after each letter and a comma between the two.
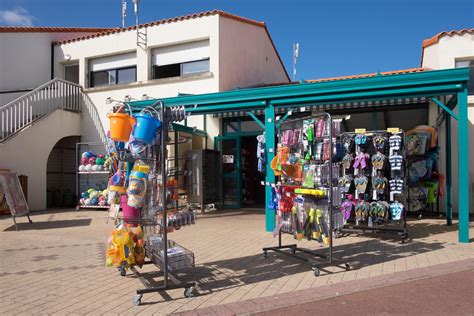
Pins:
x: 56, y: 265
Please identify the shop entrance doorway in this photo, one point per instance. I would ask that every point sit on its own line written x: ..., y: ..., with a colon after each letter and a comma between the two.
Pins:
x: 241, y: 184
x: 253, y: 192
x: 231, y: 186
x: 61, y: 173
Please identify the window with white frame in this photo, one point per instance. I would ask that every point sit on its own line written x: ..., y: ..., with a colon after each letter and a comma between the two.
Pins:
x: 470, y: 64
x: 111, y: 70
x: 182, y: 59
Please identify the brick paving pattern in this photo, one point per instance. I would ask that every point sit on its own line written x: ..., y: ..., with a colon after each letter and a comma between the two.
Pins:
x: 56, y: 265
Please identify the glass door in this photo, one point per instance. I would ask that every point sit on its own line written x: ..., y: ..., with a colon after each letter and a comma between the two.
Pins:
x: 231, y: 183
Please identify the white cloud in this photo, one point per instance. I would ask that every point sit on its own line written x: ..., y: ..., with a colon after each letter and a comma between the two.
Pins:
x: 17, y: 17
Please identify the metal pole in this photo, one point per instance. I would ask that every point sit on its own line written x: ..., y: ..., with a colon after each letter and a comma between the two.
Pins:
x: 449, y: 180
x: 330, y: 197
x: 163, y: 187
x: 463, y: 165
x: 176, y: 150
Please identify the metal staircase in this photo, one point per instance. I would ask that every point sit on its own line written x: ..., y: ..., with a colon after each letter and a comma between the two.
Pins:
x: 56, y: 94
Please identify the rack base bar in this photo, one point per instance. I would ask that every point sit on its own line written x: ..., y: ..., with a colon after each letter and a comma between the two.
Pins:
x: 176, y: 284
x: 317, y: 266
x: 371, y: 230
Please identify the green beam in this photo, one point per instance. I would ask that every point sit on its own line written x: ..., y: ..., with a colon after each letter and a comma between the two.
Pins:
x: 269, y: 175
x: 426, y: 82
x: 362, y: 95
x: 444, y: 107
x: 283, y: 119
x: 442, y: 115
x: 256, y: 119
x: 208, y: 109
x: 463, y: 165
x: 189, y: 130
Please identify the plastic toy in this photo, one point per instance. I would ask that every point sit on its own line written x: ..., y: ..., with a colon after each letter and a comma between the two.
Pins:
x: 88, y: 154
x: 120, y: 249
x: 146, y: 126
x: 125, y: 248
x: 137, y: 184
x: 93, y: 197
x: 121, y: 125
x: 116, y: 186
x: 129, y: 213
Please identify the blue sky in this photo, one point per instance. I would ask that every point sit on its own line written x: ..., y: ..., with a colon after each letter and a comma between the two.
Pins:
x: 337, y: 37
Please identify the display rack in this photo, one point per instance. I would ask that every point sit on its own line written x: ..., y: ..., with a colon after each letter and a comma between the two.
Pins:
x: 367, y: 225
x: 323, y: 193
x: 90, y: 179
x: 160, y: 210
x: 424, y: 187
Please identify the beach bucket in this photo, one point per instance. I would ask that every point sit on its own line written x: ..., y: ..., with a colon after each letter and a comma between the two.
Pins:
x: 129, y: 213
x: 121, y: 125
x: 146, y: 127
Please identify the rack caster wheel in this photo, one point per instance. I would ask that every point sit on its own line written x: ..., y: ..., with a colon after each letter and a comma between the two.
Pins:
x: 137, y: 301
x: 265, y: 255
x: 293, y: 250
x: 122, y: 271
x: 317, y: 272
x: 188, y: 293
x: 347, y: 266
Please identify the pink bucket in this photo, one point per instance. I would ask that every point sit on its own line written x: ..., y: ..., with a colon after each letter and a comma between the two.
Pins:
x: 129, y: 213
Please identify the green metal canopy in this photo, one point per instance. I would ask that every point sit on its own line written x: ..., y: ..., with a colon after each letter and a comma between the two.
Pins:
x: 361, y: 92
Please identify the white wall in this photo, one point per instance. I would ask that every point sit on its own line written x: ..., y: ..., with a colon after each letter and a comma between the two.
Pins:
x: 27, y: 154
x: 157, y: 36
x: 25, y: 61
x: 249, y: 61
x: 247, y: 56
x: 443, y: 55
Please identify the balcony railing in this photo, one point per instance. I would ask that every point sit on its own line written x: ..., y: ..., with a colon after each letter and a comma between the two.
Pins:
x: 56, y: 94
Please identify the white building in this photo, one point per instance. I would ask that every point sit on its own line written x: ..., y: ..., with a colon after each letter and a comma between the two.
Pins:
x: 452, y: 50
x: 192, y: 54
x: 26, y: 56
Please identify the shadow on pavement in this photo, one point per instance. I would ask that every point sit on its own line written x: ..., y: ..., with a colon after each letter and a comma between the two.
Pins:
x: 50, y: 225
x: 216, y: 276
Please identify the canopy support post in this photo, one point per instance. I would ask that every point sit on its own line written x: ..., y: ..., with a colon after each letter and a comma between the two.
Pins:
x: 463, y: 165
x: 269, y: 175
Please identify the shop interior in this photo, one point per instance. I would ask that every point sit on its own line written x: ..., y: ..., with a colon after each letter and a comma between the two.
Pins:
x: 240, y: 141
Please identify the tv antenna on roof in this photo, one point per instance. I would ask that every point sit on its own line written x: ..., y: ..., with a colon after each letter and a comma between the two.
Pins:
x: 296, y: 52
x: 124, y: 12
x: 135, y: 10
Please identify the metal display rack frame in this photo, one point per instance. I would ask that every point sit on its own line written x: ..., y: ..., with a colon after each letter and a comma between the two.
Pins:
x: 403, y: 231
x: 88, y: 174
x: 328, y: 253
x: 431, y: 210
x: 170, y: 281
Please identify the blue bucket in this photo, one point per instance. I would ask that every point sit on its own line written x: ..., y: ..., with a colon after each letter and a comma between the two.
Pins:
x: 145, y: 128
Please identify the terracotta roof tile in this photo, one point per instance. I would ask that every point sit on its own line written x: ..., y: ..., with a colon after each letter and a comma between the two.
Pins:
x: 165, y: 21
x: 385, y: 73
x: 375, y: 74
x: 435, y: 39
x: 48, y: 29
